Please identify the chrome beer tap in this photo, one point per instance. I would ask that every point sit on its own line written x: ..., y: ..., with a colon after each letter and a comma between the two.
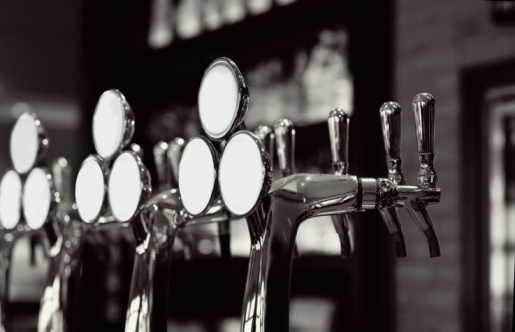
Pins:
x: 28, y: 197
x: 195, y: 201
x: 112, y: 185
x: 58, y: 306
x: 390, y: 113
x: 296, y: 198
x: 163, y: 217
x: 284, y: 132
x: 338, y: 123
x: 416, y: 198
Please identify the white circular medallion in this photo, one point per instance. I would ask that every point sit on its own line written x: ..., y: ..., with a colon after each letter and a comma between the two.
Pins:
x: 109, y: 124
x: 241, y: 173
x: 197, y: 176
x: 218, y: 99
x: 37, y: 198
x: 90, y: 190
x: 125, y: 186
x: 10, y: 200
x: 24, y: 143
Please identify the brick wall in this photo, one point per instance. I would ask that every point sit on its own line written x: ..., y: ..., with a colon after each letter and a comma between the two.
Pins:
x: 434, y: 40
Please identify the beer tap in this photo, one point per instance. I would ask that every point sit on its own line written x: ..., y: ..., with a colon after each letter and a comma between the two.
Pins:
x: 284, y: 132
x: 390, y: 113
x: 195, y: 201
x: 58, y: 306
x: 293, y: 199
x: 28, y: 198
x: 112, y: 185
x: 339, y: 138
x: 163, y: 217
x: 416, y: 198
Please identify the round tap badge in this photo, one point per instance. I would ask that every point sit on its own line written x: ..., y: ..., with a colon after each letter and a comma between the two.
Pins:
x: 38, y: 197
x: 90, y: 189
x: 197, y: 175
x: 129, y: 186
x: 10, y: 199
x: 113, y: 124
x: 244, y: 174
x: 222, y: 99
x: 27, y: 138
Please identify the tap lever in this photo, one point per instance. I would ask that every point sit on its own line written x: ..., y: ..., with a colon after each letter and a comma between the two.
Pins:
x: 161, y: 162
x: 390, y: 113
x: 267, y: 137
x: 175, y: 149
x: 62, y: 174
x: 339, y: 136
x: 285, y: 140
x: 424, y: 111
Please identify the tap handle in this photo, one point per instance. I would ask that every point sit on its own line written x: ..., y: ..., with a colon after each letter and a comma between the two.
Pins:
x: 161, y: 163
x: 390, y: 113
x: 267, y: 137
x: 175, y: 149
x: 424, y: 110
x: 339, y: 136
x: 62, y: 174
x: 285, y: 143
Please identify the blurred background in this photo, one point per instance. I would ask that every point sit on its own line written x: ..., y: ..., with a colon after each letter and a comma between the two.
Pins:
x: 300, y: 59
